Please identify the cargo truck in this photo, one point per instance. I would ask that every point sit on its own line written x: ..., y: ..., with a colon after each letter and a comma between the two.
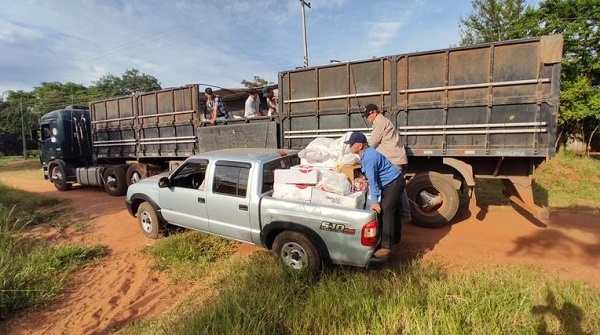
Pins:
x: 464, y: 113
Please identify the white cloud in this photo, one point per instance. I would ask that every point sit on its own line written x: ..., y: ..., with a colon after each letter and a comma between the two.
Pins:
x: 382, y: 33
x: 15, y: 33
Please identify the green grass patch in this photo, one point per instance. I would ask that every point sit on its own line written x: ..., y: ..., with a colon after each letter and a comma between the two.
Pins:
x: 25, y: 202
x: 32, y: 273
x: 569, y: 181
x: 257, y: 296
x: 17, y: 163
x: 185, y: 255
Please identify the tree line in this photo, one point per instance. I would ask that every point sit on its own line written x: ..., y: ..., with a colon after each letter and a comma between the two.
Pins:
x: 489, y: 21
x: 577, y: 21
x: 20, y: 111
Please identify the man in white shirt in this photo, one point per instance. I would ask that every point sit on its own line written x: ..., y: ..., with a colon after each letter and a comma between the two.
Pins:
x: 252, y: 106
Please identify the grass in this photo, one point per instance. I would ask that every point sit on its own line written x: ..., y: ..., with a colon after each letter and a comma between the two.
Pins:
x: 32, y: 273
x: 570, y: 182
x: 183, y: 256
x: 17, y: 163
x: 257, y: 296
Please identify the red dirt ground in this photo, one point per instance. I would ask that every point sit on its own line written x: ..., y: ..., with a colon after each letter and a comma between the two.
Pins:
x: 122, y: 287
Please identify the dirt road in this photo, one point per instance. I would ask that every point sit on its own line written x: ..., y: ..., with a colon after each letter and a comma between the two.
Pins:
x: 122, y: 287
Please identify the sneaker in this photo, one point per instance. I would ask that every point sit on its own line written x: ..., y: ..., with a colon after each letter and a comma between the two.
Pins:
x: 383, y: 253
x: 406, y: 219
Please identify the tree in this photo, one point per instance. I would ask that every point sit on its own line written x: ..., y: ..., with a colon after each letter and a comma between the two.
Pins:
x: 578, y: 22
x: 257, y: 82
x: 491, y: 21
x: 131, y: 82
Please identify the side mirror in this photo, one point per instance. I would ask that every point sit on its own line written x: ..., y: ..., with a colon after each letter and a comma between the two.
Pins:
x: 164, y: 182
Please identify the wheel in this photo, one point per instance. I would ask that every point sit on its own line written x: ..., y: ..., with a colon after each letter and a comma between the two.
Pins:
x: 135, y: 173
x: 114, y: 180
x: 149, y: 221
x: 434, y: 200
x: 297, y: 251
x: 59, y: 178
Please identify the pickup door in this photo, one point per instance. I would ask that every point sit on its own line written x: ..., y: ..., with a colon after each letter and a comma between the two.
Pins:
x: 228, y: 200
x: 184, y: 203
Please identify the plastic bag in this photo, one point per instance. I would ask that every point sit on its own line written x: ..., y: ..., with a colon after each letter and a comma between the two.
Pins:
x: 334, y: 182
x: 313, y: 155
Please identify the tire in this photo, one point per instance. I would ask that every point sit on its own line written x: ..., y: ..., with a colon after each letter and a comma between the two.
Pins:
x: 297, y: 252
x: 59, y: 178
x: 148, y: 221
x: 115, y: 182
x: 135, y: 173
x: 444, y: 199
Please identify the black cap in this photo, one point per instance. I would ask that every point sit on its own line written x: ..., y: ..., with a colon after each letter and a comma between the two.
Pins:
x: 356, y: 138
x: 370, y: 108
x: 208, y: 90
x: 253, y: 91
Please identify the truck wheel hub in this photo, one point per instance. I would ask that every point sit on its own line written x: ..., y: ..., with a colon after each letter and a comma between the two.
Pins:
x: 294, y: 255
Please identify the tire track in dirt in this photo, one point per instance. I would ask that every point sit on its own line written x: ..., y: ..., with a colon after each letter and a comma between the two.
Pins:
x: 106, y: 295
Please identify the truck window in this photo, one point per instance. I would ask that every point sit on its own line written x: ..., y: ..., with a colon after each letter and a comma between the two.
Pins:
x: 46, y: 132
x: 191, y: 175
x: 231, y: 179
x: 268, y: 175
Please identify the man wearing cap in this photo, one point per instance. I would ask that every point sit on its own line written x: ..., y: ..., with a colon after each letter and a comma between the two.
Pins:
x: 386, y: 139
x: 252, y: 107
x: 215, y: 106
x: 386, y: 184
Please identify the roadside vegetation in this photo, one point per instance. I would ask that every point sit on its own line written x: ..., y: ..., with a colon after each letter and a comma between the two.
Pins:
x: 259, y: 296
x: 184, y: 256
x: 31, y: 271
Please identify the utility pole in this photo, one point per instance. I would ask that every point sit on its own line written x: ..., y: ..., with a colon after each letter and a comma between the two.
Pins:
x: 23, y: 131
x: 307, y: 4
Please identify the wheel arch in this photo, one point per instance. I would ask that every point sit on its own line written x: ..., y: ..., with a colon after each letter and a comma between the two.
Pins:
x: 138, y: 198
x: 270, y: 232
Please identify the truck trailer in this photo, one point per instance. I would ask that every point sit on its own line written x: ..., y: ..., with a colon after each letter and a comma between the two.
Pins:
x: 464, y: 113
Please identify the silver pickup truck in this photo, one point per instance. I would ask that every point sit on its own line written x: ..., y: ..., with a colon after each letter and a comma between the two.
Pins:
x: 228, y: 193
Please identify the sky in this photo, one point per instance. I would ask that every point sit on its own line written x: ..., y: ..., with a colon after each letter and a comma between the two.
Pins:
x: 210, y: 42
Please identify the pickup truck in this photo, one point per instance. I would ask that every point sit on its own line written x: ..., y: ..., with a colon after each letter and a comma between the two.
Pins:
x: 228, y: 193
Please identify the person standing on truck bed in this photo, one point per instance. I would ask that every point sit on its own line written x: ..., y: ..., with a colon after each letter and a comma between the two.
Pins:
x: 215, y: 106
x: 252, y: 107
x: 272, y: 101
x: 386, y: 139
x: 386, y: 184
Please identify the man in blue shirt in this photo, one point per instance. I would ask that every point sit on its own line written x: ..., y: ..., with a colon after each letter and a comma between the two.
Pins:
x: 386, y: 184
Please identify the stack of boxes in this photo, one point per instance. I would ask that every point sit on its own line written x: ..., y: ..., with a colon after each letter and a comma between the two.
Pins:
x: 301, y: 183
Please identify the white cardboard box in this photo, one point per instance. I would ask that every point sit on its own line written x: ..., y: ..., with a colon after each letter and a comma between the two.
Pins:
x: 296, y: 176
x: 352, y: 200
x: 298, y: 192
x: 308, y: 167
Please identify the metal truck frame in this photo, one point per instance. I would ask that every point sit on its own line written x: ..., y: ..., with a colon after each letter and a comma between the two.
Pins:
x: 483, y: 111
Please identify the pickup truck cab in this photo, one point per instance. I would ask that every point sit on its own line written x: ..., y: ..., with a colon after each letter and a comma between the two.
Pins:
x: 228, y: 193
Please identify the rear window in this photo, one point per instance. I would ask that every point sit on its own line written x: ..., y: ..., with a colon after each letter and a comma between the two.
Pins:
x: 231, y: 178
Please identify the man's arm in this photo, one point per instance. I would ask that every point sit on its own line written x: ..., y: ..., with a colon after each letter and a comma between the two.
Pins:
x: 213, y: 114
x: 376, y: 135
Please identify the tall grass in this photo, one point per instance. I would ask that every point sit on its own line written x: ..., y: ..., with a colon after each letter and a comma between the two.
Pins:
x: 32, y: 273
x: 259, y: 297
